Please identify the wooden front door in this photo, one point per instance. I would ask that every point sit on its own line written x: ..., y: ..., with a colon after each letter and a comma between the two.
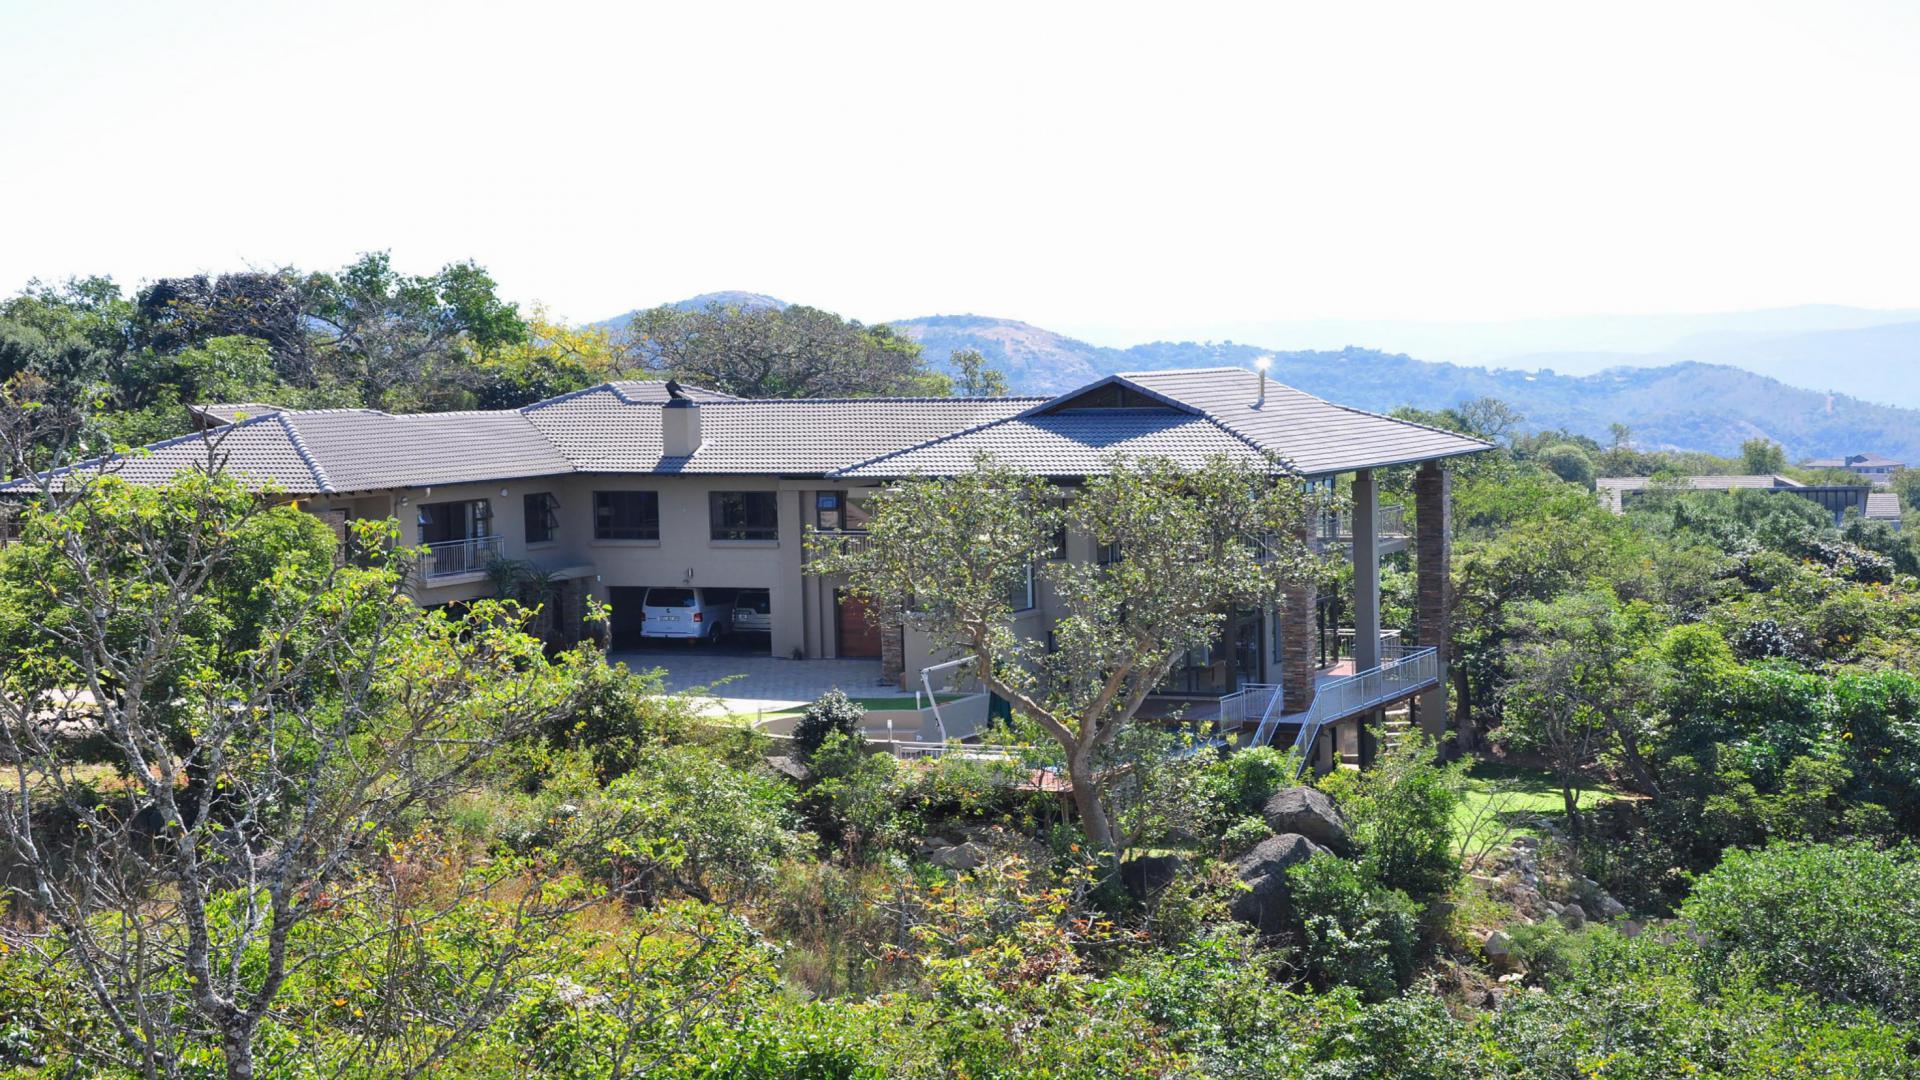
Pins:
x: 858, y: 636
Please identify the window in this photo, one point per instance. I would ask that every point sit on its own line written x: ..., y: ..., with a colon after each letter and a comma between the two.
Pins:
x: 1021, y: 595
x: 542, y: 515
x: 835, y: 511
x: 626, y: 515
x: 445, y: 522
x: 1107, y: 554
x: 1059, y: 548
x: 826, y: 511
x: 744, y: 515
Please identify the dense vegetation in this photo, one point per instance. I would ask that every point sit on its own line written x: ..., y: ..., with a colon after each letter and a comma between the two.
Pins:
x: 372, y: 336
x: 266, y: 817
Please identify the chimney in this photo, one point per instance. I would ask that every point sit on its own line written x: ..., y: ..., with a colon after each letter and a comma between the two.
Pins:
x: 1260, y: 379
x: 679, y: 428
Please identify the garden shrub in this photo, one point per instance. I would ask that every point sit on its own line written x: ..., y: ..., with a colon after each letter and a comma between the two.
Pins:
x: 831, y: 713
x: 1352, y: 933
x: 1839, y: 921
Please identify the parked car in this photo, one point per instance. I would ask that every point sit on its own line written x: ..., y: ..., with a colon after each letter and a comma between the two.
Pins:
x: 753, y: 612
x: 679, y: 612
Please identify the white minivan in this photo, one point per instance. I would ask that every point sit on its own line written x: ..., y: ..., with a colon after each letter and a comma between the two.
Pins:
x: 685, y: 612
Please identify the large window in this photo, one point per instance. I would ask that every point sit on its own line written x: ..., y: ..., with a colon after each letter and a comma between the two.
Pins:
x: 445, y: 522
x: 626, y: 515
x: 744, y: 515
x: 543, y: 516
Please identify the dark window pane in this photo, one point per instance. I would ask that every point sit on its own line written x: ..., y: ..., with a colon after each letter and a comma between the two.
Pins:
x: 542, y: 513
x: 626, y: 515
x: 744, y: 515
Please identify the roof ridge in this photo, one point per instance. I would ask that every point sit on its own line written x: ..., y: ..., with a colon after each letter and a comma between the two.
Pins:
x: 949, y: 436
x: 300, y: 447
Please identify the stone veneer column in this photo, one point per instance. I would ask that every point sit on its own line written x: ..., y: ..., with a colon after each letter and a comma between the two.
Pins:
x: 893, y: 647
x: 1433, y: 553
x: 1297, y: 646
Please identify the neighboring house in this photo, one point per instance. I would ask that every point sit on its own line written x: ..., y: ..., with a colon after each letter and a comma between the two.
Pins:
x: 1621, y: 491
x: 1884, y: 506
x: 620, y: 487
x: 1875, y: 468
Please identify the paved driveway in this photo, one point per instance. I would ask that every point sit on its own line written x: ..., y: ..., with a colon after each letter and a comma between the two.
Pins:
x: 758, y: 682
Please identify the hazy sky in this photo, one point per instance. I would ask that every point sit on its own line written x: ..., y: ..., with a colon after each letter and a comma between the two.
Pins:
x: 1116, y: 170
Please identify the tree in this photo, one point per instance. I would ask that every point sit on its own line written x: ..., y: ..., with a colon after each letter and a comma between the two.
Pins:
x: 408, y: 336
x: 1584, y: 682
x: 1569, y: 463
x: 789, y: 352
x: 976, y: 378
x: 1760, y: 456
x: 1186, y: 550
x: 272, y: 718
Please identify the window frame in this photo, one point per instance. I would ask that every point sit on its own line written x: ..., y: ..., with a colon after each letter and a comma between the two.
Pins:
x: 544, y: 507
x: 604, y: 515
x: 1032, y: 597
x: 744, y: 531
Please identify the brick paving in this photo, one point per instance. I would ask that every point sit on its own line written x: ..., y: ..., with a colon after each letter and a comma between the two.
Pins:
x: 758, y: 682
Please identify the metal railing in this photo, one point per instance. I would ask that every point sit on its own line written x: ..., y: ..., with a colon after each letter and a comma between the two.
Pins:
x: 1402, y: 672
x: 467, y: 556
x: 1389, y: 519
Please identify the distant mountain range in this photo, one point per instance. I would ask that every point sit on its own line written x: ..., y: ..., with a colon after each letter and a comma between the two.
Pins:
x: 1679, y: 404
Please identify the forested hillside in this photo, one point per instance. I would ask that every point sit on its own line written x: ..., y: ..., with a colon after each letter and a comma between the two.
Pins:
x: 1687, y: 406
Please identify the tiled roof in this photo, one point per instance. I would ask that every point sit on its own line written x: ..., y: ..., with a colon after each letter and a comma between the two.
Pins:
x: 601, y: 432
x: 655, y: 391
x: 228, y: 412
x: 1077, y: 443
x: 615, y: 427
x: 1883, y: 506
x: 1312, y: 436
x: 365, y: 451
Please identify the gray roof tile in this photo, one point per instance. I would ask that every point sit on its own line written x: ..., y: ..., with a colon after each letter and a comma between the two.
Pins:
x: 1078, y: 443
x: 1312, y: 436
x: 615, y: 427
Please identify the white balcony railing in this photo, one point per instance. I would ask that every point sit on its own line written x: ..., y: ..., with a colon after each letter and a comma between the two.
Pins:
x: 1402, y: 673
x: 450, y: 557
x: 1336, y: 526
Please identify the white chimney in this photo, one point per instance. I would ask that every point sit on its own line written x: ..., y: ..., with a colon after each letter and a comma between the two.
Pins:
x: 1260, y: 365
x: 679, y: 428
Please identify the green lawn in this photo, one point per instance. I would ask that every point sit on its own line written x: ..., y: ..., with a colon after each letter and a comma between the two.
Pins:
x: 1499, y: 794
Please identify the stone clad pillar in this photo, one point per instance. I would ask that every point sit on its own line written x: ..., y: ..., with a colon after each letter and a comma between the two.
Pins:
x: 1297, y: 646
x: 1433, y: 554
x: 1366, y: 571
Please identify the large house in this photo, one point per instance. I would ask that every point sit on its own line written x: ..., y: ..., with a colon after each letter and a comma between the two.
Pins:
x: 1875, y: 467
x: 1620, y: 492
x: 624, y: 486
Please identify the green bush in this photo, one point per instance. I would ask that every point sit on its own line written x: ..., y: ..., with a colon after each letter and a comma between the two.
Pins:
x: 1352, y: 933
x: 1243, y: 782
x: 1841, y: 922
x: 831, y: 713
x: 1402, y: 818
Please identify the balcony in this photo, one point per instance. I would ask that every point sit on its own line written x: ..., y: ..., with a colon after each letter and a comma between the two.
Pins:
x: 1336, y: 526
x: 451, y: 558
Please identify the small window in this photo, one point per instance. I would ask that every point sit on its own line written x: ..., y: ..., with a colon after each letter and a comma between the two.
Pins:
x: 744, y: 515
x: 1058, y: 550
x: 1021, y: 596
x: 826, y: 511
x: 669, y: 597
x: 542, y: 515
x: 626, y: 515
x: 1107, y: 554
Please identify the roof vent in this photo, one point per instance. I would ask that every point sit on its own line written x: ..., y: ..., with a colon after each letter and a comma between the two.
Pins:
x: 1260, y: 365
x: 680, y: 427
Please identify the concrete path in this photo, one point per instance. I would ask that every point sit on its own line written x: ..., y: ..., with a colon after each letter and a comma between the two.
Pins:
x: 759, y: 682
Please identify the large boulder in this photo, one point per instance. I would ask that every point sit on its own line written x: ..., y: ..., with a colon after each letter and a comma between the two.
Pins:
x: 1267, y: 904
x: 1309, y: 812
